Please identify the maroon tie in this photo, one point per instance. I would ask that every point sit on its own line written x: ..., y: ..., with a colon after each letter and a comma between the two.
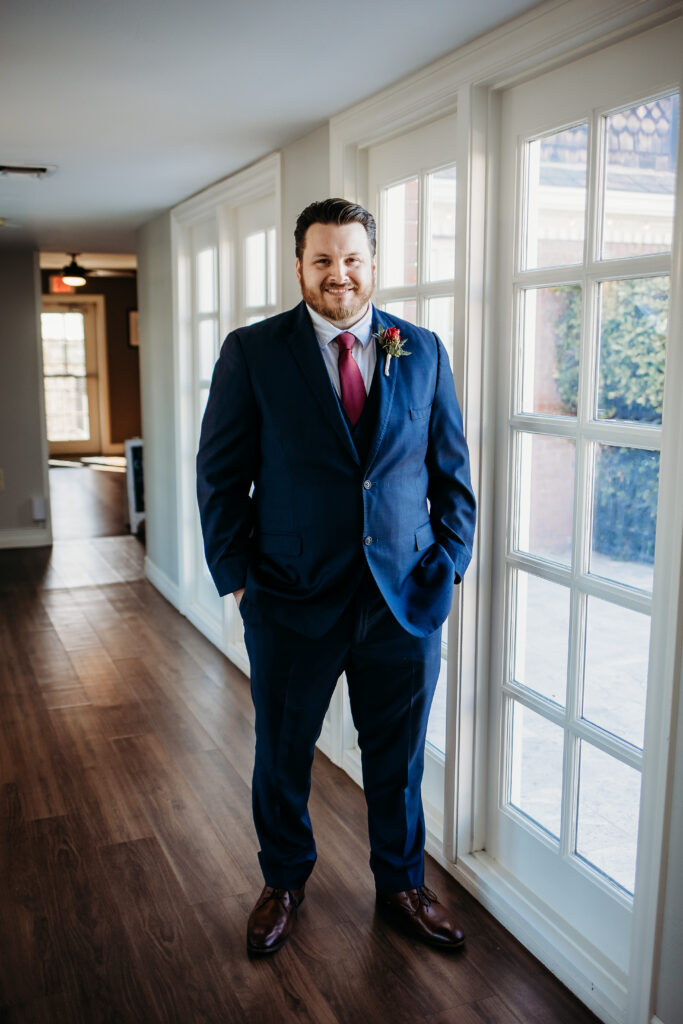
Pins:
x: 350, y: 378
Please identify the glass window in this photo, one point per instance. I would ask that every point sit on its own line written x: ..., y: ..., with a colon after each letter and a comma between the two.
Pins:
x: 626, y: 486
x: 640, y: 178
x: 608, y: 807
x: 535, y: 783
x: 615, y: 681
x: 206, y: 281
x: 400, y: 225
x: 633, y: 326
x: 255, y: 269
x: 556, y: 198
x: 551, y: 336
x: 546, y: 496
x: 541, y: 636
x: 441, y: 224
x: 440, y: 320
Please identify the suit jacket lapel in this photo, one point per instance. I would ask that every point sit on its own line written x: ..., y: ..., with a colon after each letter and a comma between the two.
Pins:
x: 306, y: 351
x: 387, y: 386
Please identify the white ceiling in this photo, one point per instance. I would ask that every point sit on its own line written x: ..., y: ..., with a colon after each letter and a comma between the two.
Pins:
x: 140, y: 103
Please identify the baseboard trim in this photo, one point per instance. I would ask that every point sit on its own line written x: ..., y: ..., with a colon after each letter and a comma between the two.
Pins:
x: 31, y: 537
x: 585, y: 973
x: 158, y: 578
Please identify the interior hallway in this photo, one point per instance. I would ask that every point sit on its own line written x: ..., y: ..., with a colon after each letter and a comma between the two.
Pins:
x: 127, y: 853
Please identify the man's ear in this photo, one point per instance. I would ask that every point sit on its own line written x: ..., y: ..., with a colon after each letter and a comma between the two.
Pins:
x: 298, y: 270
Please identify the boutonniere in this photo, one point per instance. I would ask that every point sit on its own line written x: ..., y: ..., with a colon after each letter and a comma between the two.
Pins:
x: 391, y: 341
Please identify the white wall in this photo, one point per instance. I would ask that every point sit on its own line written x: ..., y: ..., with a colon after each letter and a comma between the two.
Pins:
x: 155, y: 304
x: 23, y: 447
x: 305, y: 178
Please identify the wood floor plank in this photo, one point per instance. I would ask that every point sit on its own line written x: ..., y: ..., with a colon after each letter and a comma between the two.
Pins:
x: 269, y: 989
x: 206, y: 868
x: 99, y: 676
x: 29, y: 961
x: 226, y: 798
x: 97, y: 977
x: 102, y: 793
x: 50, y: 661
x: 166, y: 938
x: 485, y: 1011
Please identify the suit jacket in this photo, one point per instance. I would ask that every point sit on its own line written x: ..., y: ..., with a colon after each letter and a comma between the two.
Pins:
x: 300, y: 539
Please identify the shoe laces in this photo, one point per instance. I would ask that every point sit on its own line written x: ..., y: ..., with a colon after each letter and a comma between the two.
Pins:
x: 425, y: 895
x: 279, y: 895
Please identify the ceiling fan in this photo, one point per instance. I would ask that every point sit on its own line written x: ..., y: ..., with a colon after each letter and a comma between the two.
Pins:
x: 76, y: 275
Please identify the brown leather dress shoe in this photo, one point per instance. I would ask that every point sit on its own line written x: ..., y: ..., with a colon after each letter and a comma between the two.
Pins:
x: 418, y: 912
x: 272, y: 919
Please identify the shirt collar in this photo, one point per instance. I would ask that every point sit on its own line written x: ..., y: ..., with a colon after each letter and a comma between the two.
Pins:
x: 326, y: 332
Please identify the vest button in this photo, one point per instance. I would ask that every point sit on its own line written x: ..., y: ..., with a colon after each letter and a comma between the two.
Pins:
x: 367, y: 484
x: 367, y: 541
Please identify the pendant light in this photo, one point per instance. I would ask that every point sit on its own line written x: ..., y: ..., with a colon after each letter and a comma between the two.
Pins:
x: 73, y: 274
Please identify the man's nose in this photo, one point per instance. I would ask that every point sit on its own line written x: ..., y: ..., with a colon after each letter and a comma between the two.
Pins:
x: 338, y: 270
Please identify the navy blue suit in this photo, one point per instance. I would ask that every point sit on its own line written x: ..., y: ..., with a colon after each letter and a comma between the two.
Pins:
x: 351, y: 539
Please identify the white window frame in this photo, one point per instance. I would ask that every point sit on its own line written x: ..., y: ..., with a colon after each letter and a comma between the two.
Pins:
x: 215, y: 210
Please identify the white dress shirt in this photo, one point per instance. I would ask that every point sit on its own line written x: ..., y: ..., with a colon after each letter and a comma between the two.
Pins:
x: 363, y: 349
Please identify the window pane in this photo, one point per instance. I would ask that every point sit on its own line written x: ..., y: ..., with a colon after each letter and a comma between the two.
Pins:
x: 441, y: 235
x: 440, y: 320
x: 633, y: 325
x: 66, y: 409
x: 398, y: 264
x: 255, y: 269
x: 208, y: 337
x: 617, y: 651
x: 52, y: 326
x: 541, y: 636
x: 624, y: 514
x: 54, y: 357
x: 536, y: 768
x: 75, y: 358
x: 272, y: 268
x: 202, y: 399
x: 206, y: 281
x: 556, y: 198
x: 640, y: 178
x: 436, y: 727
x: 546, y: 496
x: 406, y: 309
x: 550, y: 361
x: 609, y: 797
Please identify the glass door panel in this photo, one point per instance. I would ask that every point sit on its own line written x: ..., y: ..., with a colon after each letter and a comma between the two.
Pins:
x: 587, y: 357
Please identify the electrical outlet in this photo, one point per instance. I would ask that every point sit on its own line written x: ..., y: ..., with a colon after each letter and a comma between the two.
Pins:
x: 2, y: 479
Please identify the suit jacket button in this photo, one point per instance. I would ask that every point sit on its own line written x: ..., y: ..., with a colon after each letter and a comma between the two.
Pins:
x: 367, y: 484
x: 367, y: 541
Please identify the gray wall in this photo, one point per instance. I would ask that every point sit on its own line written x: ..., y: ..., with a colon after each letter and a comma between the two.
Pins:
x: 305, y: 177
x: 23, y: 448
x: 155, y: 303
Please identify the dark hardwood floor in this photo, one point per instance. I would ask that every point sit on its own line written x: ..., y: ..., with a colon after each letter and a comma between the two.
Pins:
x: 127, y: 853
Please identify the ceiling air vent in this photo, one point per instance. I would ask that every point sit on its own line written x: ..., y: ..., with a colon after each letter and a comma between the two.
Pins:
x: 27, y: 171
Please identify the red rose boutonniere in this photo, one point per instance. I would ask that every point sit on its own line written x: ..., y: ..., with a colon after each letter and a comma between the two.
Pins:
x: 391, y: 341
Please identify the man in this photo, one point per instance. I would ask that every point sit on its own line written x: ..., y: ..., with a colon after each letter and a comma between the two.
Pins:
x: 343, y: 557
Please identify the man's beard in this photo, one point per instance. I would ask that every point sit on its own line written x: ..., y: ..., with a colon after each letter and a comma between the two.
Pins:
x: 339, y: 308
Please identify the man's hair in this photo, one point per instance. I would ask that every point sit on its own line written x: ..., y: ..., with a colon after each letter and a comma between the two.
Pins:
x: 333, y: 211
